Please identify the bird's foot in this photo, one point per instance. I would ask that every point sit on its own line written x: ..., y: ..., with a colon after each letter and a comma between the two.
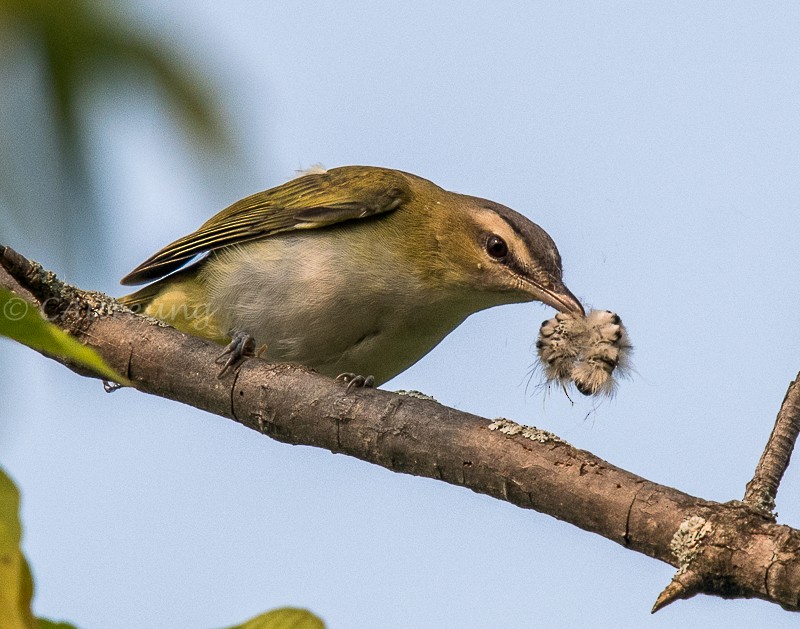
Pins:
x: 242, y: 346
x: 354, y: 381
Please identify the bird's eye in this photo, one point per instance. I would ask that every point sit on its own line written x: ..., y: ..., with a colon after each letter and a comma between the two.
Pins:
x: 496, y: 247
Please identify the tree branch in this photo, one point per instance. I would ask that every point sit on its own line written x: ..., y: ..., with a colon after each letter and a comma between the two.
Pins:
x: 731, y: 550
x: 761, y: 491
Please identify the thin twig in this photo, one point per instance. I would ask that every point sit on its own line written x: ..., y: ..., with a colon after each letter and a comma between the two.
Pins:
x: 762, y: 489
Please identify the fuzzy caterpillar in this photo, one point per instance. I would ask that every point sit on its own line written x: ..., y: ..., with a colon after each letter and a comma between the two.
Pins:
x: 585, y: 351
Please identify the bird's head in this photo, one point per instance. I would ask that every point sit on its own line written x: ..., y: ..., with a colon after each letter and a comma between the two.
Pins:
x: 486, y: 246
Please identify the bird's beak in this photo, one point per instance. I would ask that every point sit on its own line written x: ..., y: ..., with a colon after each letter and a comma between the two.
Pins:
x: 560, y: 298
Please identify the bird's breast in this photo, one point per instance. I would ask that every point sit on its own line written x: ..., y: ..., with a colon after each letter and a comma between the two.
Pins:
x: 337, y: 309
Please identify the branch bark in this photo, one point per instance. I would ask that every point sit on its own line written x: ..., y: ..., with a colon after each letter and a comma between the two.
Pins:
x: 733, y: 550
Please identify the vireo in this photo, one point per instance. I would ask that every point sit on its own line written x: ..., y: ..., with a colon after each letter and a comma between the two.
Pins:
x: 358, y: 269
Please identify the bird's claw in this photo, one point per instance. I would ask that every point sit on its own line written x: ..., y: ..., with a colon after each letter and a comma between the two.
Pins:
x: 354, y: 381
x: 242, y: 346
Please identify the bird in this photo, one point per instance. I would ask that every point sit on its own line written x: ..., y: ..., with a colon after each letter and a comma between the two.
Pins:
x: 356, y: 272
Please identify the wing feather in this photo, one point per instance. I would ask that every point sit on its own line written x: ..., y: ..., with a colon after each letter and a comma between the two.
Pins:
x: 312, y: 201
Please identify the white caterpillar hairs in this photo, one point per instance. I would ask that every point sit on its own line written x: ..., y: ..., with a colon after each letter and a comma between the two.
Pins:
x: 585, y: 351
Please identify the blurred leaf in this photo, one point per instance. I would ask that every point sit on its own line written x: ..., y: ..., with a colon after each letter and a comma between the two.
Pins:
x: 80, y: 44
x: 284, y: 618
x: 43, y: 623
x: 76, y: 47
x: 22, y: 322
x: 16, y: 586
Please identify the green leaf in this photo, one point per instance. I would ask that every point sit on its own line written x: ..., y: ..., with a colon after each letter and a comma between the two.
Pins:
x: 21, y: 321
x: 16, y: 583
x: 284, y: 618
x: 16, y: 586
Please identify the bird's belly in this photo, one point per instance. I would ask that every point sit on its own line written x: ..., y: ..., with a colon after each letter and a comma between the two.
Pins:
x: 312, y: 310
x: 364, y: 343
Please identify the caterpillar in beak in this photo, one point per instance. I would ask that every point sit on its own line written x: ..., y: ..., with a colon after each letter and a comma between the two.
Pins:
x: 585, y: 351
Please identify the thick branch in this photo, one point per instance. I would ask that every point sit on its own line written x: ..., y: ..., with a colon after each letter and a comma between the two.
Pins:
x: 731, y: 549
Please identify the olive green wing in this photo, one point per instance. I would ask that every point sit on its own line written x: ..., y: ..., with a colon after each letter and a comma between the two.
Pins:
x: 311, y: 201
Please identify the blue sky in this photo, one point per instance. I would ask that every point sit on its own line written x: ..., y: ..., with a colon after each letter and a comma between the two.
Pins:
x: 655, y: 141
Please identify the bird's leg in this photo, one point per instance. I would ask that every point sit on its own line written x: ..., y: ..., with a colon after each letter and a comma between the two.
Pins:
x: 355, y: 381
x: 242, y: 346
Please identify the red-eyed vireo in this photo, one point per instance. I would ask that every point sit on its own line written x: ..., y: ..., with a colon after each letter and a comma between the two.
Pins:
x: 358, y: 269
